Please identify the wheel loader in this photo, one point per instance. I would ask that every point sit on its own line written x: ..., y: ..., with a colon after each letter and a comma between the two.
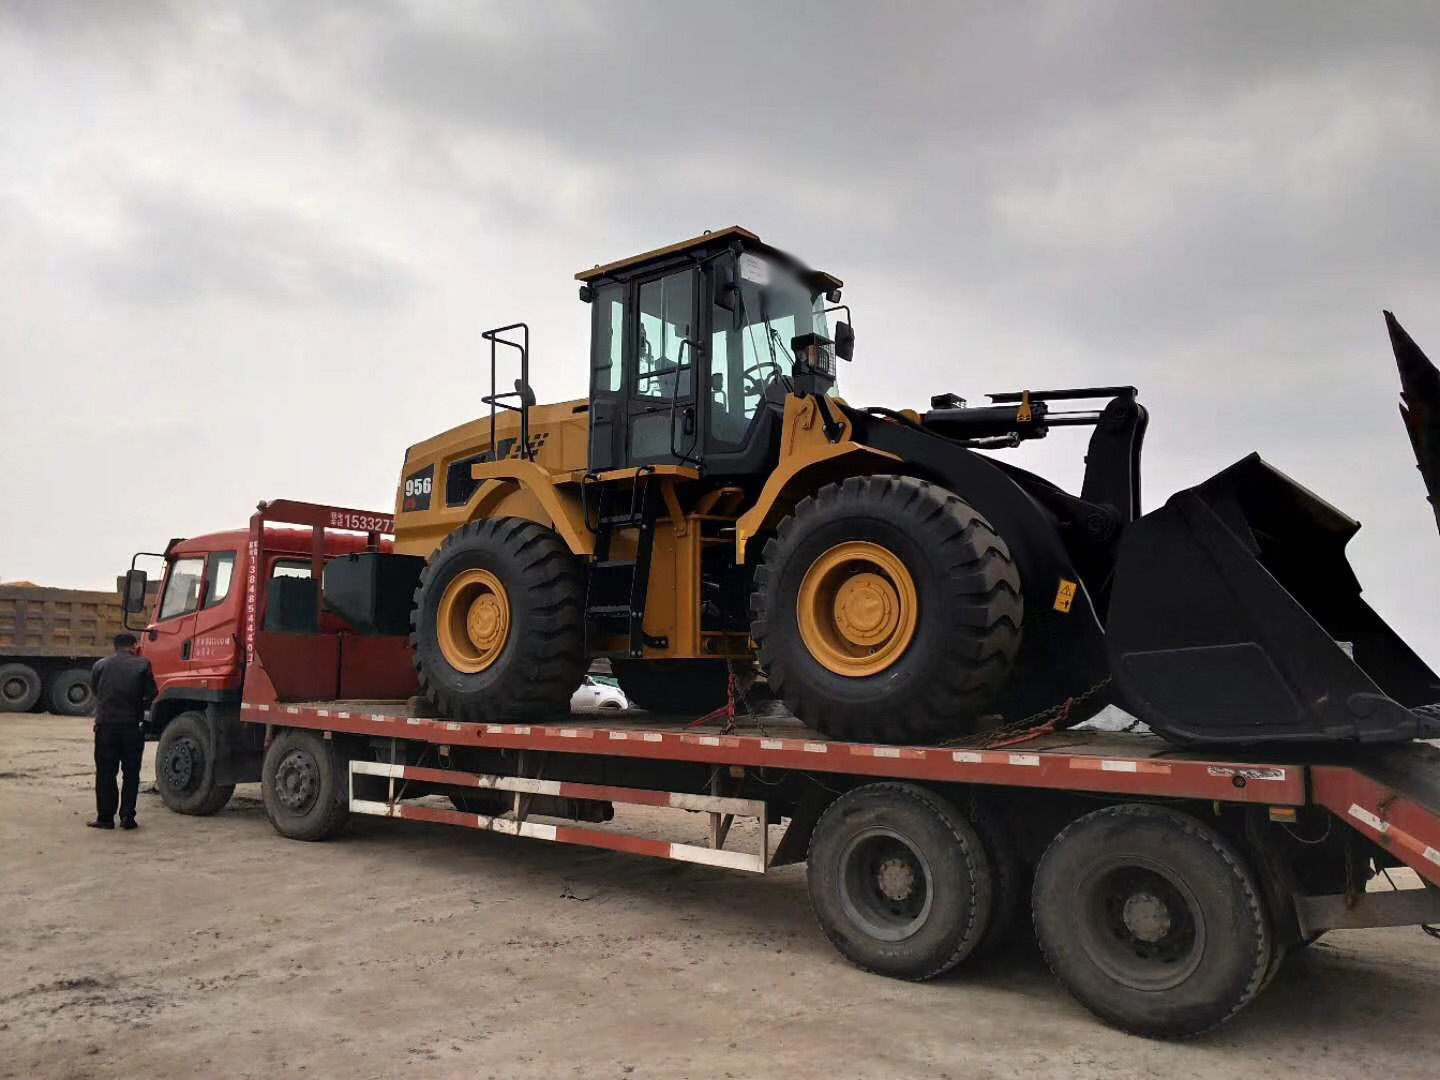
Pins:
x: 714, y: 509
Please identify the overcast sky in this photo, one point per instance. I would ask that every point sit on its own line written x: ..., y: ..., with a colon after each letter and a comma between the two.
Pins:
x: 247, y: 250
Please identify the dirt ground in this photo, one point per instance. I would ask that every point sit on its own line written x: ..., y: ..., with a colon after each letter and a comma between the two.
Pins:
x: 215, y: 948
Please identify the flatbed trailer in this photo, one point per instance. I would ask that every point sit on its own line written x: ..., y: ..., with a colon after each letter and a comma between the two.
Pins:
x: 1165, y: 884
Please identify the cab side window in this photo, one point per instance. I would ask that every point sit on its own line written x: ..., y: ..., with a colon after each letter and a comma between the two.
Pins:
x: 182, y: 588
x: 218, y: 576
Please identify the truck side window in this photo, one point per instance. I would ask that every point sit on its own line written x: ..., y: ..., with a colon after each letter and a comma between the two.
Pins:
x: 182, y: 588
x: 218, y: 576
x: 290, y: 568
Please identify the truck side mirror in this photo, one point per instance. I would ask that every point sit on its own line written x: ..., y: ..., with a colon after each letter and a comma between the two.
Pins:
x: 844, y: 341
x: 134, y: 599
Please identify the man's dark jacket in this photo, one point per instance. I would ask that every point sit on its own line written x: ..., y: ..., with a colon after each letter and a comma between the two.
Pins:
x: 124, y: 686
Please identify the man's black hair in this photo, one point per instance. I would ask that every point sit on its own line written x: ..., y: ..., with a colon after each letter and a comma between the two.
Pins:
x: 126, y: 641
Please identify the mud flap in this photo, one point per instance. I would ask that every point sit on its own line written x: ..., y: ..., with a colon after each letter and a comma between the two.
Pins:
x: 1235, y: 617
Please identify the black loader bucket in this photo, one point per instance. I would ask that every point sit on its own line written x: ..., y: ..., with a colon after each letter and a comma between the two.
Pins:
x: 1235, y: 617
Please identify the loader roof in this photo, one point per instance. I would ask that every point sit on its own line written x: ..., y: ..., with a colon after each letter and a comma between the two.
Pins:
x: 749, y: 240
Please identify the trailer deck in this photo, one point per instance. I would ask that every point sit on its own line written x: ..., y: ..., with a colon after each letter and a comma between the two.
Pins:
x: 1165, y: 883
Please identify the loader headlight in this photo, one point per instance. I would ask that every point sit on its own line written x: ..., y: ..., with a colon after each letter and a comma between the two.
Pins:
x: 814, y: 354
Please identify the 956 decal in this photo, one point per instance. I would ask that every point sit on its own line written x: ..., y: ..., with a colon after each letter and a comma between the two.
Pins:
x: 415, y: 494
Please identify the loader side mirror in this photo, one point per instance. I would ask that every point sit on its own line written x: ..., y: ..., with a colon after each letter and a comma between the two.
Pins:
x: 844, y: 341
x: 134, y: 599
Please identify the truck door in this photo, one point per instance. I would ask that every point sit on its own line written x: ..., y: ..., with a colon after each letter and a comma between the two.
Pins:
x: 169, y: 639
x: 215, y: 634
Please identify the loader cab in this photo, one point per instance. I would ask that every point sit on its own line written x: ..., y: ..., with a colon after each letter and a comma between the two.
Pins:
x: 694, y: 348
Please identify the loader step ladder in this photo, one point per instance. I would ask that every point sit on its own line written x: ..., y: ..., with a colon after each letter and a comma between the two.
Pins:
x: 616, y: 589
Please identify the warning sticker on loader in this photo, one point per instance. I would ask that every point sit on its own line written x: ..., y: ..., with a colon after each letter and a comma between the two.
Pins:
x: 1065, y: 596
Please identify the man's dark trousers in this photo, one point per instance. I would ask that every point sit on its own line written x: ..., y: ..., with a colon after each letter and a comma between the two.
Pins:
x: 117, y: 746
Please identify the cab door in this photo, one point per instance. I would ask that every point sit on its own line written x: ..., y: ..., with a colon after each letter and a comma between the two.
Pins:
x: 661, y: 422
x: 169, y: 639
x: 215, y: 632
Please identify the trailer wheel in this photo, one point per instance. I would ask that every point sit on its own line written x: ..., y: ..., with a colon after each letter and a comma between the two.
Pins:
x: 304, y: 785
x: 683, y: 687
x: 498, y: 628
x: 70, y: 693
x: 185, y: 767
x: 887, y: 609
x: 898, y: 880
x: 1151, y: 920
x: 1007, y: 875
x: 19, y: 687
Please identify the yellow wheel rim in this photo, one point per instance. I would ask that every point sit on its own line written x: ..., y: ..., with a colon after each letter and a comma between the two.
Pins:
x: 857, y: 608
x: 473, y: 622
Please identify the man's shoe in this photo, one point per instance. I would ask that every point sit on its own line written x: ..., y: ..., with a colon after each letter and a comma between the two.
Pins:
x: 128, y: 823
x: 98, y: 824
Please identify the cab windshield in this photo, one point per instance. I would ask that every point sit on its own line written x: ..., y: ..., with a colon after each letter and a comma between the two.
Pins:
x: 750, y: 345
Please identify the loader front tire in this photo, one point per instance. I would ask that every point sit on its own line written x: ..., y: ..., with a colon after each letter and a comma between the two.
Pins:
x: 497, y: 628
x: 887, y: 609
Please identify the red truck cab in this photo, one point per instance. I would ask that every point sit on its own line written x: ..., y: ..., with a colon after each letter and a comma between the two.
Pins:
x: 227, y: 601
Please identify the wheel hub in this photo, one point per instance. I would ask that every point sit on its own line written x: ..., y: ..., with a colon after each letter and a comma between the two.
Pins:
x: 1146, y: 917
x: 885, y: 884
x: 867, y: 609
x: 13, y: 689
x: 472, y: 623
x: 857, y: 608
x: 179, y: 764
x: 76, y: 694
x: 896, y: 879
x: 297, y: 781
x: 1140, y: 925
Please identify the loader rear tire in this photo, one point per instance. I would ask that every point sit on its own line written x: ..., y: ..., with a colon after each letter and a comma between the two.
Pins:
x: 497, y: 627
x: 887, y: 609
x: 1152, y: 920
x: 681, y: 687
x: 19, y: 687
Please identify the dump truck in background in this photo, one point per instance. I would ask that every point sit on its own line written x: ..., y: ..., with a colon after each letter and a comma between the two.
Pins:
x: 49, y: 639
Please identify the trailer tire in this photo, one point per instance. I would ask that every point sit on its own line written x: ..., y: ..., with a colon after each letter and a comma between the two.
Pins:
x: 1007, y: 875
x: 185, y: 767
x: 886, y: 609
x: 677, y: 687
x: 1152, y: 920
x: 69, y: 693
x: 19, y: 687
x: 304, y: 786
x: 523, y: 639
x: 898, y: 880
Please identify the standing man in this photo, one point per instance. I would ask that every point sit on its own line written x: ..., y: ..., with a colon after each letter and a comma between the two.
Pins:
x: 124, y: 687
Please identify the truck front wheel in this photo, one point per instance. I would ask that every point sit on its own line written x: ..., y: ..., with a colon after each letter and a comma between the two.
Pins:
x: 1152, y: 920
x: 185, y: 767
x: 304, y: 786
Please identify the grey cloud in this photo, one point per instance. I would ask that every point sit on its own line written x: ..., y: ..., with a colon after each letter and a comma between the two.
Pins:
x: 178, y: 248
